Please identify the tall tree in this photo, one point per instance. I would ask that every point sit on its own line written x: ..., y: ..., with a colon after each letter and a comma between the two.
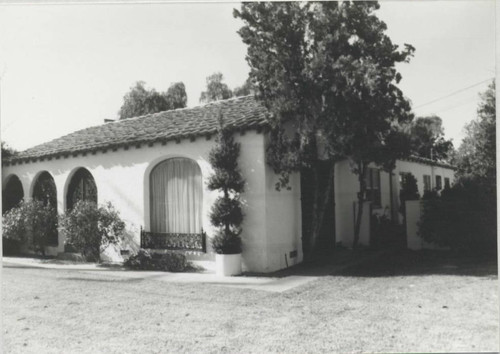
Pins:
x: 477, y: 153
x: 248, y: 88
x: 216, y: 89
x: 140, y: 101
x: 176, y: 95
x: 427, y: 138
x: 7, y: 151
x: 327, y: 70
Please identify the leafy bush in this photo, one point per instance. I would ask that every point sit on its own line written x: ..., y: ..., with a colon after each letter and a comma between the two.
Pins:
x: 89, y: 228
x: 462, y: 218
x: 168, y: 262
x: 31, y: 223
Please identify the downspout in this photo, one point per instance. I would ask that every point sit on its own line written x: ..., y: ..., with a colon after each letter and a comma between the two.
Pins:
x: 391, y: 196
x: 432, y: 172
x: 334, y: 209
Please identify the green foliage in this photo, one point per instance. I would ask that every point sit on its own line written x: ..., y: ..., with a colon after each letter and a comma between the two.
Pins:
x: 226, y: 242
x: 7, y: 151
x: 462, y: 217
x: 226, y: 213
x: 427, y: 139
x: 167, y: 262
x: 140, y: 101
x: 328, y: 71
x: 409, y: 191
x: 31, y: 223
x: 477, y: 153
x: 89, y: 228
x: 248, y: 88
x: 216, y: 89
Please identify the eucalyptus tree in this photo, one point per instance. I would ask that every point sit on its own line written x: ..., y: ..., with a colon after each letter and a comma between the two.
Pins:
x: 140, y: 101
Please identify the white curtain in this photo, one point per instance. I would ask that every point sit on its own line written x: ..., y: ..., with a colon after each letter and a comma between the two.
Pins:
x: 176, y: 196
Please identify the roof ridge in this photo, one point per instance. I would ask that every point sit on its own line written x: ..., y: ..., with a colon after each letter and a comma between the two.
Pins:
x: 176, y: 110
x: 242, y: 112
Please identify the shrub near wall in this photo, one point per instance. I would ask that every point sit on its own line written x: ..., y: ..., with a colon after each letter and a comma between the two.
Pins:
x: 31, y: 224
x: 462, y: 218
x: 90, y: 228
x: 168, y: 262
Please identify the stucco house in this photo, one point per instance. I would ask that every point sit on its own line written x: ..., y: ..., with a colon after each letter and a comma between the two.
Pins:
x: 154, y: 169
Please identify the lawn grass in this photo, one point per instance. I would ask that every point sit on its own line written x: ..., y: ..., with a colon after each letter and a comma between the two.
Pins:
x: 393, y: 304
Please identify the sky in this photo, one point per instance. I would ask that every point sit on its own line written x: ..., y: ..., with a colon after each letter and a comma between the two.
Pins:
x: 65, y: 67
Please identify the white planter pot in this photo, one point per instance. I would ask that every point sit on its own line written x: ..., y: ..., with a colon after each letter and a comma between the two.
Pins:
x: 227, y: 264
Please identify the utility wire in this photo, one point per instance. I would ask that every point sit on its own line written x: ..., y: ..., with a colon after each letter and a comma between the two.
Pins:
x: 453, y: 93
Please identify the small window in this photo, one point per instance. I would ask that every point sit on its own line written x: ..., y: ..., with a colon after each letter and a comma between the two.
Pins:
x: 439, y: 184
x: 427, y: 183
x: 446, y: 183
x: 372, y: 179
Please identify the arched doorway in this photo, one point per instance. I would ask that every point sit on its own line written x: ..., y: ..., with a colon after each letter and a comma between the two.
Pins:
x: 45, y: 191
x: 176, y: 197
x: 12, y: 194
x: 81, y: 187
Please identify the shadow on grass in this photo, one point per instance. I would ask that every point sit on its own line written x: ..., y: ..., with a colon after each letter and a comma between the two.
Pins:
x: 425, y: 262
x: 107, y: 280
x: 366, y: 262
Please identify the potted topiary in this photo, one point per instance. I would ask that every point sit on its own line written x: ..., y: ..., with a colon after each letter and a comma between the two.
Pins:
x: 226, y: 214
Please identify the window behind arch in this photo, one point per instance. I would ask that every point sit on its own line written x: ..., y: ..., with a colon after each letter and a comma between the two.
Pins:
x: 81, y: 187
x: 12, y: 194
x: 176, y: 197
x: 45, y: 191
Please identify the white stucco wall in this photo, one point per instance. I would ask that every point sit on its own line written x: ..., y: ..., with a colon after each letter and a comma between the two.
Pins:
x: 347, y: 187
x: 419, y: 170
x: 271, y: 226
x: 283, y: 222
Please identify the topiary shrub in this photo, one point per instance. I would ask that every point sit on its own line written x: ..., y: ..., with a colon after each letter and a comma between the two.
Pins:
x: 226, y: 243
x: 167, y: 262
x: 90, y: 229
x: 31, y: 223
x: 226, y: 213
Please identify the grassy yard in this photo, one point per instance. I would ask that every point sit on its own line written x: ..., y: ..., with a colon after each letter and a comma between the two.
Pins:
x: 411, y: 303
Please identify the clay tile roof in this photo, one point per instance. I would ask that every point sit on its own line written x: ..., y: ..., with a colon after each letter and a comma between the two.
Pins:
x: 239, y: 113
x: 426, y: 161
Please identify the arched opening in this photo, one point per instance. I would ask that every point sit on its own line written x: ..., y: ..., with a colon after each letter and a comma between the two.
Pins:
x: 45, y: 191
x: 81, y: 187
x: 12, y: 194
x: 176, y: 196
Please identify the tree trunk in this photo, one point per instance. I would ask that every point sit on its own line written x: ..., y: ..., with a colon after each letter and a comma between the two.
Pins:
x: 359, y: 215
x: 322, y: 195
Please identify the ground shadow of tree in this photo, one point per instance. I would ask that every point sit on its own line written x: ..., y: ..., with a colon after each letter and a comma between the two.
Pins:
x: 411, y: 263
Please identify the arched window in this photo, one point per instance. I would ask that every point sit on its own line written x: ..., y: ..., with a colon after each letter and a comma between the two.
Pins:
x: 176, y: 193
x: 12, y: 194
x: 81, y: 187
x: 45, y: 191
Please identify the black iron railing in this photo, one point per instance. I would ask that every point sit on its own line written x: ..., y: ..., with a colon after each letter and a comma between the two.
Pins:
x: 174, y: 241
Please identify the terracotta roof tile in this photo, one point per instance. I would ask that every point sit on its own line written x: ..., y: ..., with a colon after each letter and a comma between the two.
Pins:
x: 239, y: 113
